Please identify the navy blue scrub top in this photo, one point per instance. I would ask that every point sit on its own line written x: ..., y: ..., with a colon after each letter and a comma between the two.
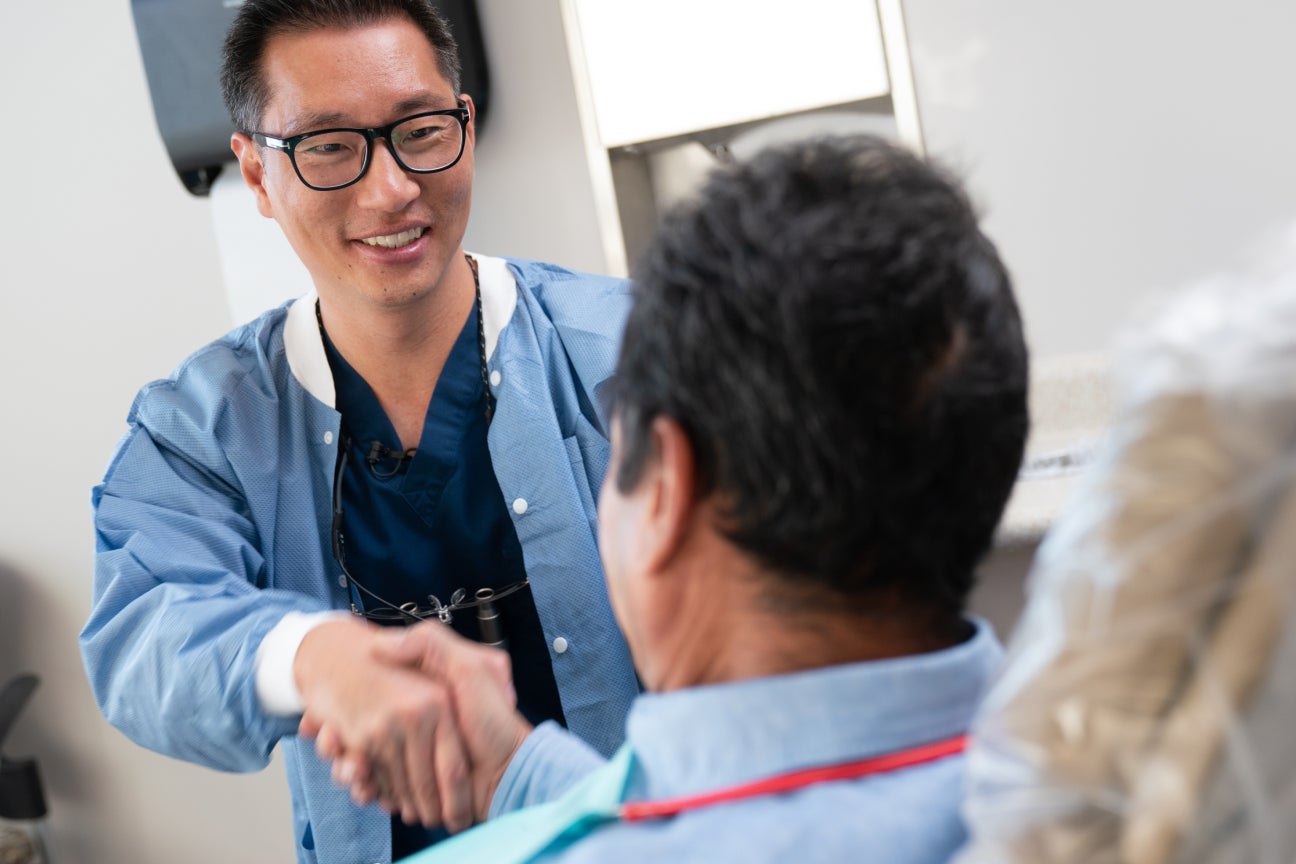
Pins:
x: 438, y: 523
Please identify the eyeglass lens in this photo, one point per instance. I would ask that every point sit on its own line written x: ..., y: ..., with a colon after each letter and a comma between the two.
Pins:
x: 421, y: 144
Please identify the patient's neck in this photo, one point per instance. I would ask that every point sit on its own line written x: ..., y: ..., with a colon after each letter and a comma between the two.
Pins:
x: 751, y: 637
x: 804, y: 641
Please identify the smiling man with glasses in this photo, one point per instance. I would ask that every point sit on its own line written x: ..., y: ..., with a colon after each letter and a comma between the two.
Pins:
x: 417, y: 438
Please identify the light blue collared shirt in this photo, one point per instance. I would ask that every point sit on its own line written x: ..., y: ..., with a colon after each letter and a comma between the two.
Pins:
x: 700, y: 739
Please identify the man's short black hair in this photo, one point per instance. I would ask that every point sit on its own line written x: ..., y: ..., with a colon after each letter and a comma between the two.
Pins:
x: 243, y: 85
x: 840, y: 343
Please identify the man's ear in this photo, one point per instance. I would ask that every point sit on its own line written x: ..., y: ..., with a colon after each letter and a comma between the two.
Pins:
x: 470, y: 132
x: 672, y: 502
x: 253, y: 170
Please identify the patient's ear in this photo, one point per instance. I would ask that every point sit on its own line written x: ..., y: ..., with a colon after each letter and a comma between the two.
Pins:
x: 672, y: 502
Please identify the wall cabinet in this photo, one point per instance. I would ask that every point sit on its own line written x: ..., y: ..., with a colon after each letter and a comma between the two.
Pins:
x: 663, y: 89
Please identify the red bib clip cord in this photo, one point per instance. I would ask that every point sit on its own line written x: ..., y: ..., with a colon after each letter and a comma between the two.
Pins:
x: 638, y: 811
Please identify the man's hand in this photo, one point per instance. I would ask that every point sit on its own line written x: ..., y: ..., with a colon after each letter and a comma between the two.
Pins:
x: 395, y: 724
x: 480, y: 681
x: 479, y: 687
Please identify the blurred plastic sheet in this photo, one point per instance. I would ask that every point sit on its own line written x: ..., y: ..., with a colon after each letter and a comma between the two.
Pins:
x: 1146, y: 709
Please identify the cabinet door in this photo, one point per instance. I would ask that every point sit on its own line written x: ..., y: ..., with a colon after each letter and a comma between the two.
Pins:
x: 669, y: 67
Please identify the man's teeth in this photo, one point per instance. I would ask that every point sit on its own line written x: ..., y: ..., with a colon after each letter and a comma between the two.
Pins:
x: 395, y: 241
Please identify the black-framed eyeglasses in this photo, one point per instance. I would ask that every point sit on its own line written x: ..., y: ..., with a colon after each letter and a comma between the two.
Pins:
x: 384, y: 611
x: 329, y: 159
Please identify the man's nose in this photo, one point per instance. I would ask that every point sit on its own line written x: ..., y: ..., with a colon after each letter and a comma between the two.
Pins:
x: 386, y: 185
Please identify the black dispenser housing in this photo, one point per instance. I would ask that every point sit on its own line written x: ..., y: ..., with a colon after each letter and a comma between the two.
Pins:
x: 22, y: 797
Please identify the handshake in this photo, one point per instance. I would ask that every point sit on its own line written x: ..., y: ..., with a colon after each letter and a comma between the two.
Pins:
x: 418, y: 719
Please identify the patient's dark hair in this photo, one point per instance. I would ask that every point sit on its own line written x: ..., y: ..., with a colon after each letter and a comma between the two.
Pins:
x: 243, y: 85
x: 841, y: 345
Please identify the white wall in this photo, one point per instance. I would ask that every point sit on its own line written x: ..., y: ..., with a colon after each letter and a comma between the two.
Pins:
x: 1119, y: 149
x: 533, y: 196
x: 109, y: 278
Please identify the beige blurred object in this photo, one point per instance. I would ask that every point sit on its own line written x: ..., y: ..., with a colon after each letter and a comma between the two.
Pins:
x: 1157, y: 606
x: 1177, y: 767
x: 16, y: 847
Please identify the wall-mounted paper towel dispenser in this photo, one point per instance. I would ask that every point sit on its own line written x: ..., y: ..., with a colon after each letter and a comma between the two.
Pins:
x: 181, y: 42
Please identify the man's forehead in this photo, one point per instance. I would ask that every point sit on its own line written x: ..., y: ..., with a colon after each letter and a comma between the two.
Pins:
x: 350, y: 76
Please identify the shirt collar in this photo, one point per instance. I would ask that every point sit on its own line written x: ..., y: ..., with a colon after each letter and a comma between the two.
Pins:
x: 691, y: 740
x: 305, y: 349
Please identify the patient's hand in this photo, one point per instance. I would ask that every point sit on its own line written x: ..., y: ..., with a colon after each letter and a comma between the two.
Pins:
x: 482, y: 702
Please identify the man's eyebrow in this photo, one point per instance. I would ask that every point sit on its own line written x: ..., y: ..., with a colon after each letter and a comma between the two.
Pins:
x: 416, y: 104
x: 312, y: 121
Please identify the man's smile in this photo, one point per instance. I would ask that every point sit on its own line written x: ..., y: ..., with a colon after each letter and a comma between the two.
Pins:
x: 394, y: 241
